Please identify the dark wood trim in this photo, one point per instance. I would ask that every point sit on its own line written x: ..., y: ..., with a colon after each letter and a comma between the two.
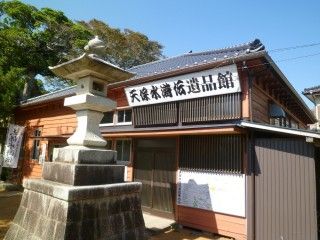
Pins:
x: 292, y: 115
x: 210, y: 131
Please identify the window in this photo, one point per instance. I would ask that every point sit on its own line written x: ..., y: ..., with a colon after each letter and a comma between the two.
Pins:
x: 123, y: 148
x: 107, y: 118
x: 124, y: 116
x: 36, y: 144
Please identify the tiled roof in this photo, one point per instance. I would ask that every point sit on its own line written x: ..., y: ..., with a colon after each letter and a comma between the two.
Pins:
x: 167, y: 65
x: 311, y: 90
x: 49, y: 96
x: 193, y: 59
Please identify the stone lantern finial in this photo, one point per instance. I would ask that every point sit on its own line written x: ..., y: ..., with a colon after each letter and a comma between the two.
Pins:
x: 95, y: 46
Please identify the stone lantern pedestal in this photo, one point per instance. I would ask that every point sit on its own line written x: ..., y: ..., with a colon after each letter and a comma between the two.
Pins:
x: 82, y: 194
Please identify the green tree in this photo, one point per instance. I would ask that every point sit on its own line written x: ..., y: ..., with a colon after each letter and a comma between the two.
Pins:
x: 125, y: 48
x: 32, y: 39
x: 11, y: 84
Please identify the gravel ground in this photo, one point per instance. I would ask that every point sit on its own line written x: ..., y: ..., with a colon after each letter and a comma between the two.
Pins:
x: 9, y: 203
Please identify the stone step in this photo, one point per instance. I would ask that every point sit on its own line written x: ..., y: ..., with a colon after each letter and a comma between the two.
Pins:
x: 83, y: 174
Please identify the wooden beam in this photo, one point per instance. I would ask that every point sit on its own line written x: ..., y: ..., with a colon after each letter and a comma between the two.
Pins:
x: 293, y: 115
x: 207, y: 131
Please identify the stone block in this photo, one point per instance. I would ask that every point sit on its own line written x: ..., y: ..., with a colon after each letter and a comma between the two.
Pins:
x: 12, y: 232
x: 88, y: 229
x: 74, y: 211
x: 20, y: 215
x: 78, y: 212
x: 82, y: 174
x: 77, y: 193
x: 114, y: 207
x: 84, y: 155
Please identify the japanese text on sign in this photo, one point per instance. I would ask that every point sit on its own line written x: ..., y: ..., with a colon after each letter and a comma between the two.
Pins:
x: 218, y: 81
x: 12, y: 146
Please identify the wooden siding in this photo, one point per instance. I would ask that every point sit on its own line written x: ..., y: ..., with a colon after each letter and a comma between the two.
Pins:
x: 245, y: 95
x: 129, y: 173
x: 118, y: 95
x: 54, y: 119
x: 227, y: 225
x: 156, y: 115
x: 208, y: 109
x: 170, y: 133
x: 260, y: 106
x: 31, y: 168
x: 220, y: 153
x: 285, y: 190
x: 200, y: 110
x: 260, y: 100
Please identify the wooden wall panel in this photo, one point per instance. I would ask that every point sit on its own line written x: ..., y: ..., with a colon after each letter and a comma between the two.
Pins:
x: 285, y: 189
x: 31, y: 168
x: 260, y: 106
x: 227, y: 225
x: 54, y: 119
x: 245, y: 95
x: 130, y: 173
x: 118, y: 95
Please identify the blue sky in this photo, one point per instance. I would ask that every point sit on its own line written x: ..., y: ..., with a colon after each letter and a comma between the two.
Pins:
x: 181, y: 26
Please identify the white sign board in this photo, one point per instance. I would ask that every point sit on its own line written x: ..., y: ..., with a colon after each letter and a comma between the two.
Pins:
x: 12, y: 146
x: 219, y: 192
x: 218, y: 81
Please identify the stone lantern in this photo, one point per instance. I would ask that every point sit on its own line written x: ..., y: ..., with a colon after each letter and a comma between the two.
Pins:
x: 82, y: 194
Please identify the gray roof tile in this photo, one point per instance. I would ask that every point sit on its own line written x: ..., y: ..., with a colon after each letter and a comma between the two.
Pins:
x: 49, y: 96
x: 192, y: 59
x: 167, y: 65
x: 315, y: 89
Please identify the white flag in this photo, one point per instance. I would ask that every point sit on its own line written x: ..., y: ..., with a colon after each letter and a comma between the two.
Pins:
x: 12, y: 146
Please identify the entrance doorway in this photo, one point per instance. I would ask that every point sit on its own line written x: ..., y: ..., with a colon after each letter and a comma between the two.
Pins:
x: 155, y: 166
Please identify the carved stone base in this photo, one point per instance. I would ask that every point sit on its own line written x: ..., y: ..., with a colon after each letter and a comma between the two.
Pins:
x: 50, y: 210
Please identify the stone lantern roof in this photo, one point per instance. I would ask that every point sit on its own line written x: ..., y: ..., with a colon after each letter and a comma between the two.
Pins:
x: 91, y: 64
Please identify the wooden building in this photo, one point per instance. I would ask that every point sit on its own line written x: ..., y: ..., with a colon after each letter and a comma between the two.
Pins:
x: 218, y: 139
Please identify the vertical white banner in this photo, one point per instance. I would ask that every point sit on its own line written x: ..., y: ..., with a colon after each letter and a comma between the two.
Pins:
x: 12, y: 146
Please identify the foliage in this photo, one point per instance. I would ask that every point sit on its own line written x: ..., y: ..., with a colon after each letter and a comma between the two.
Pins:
x: 37, y: 39
x: 11, y: 84
x: 32, y: 39
x: 124, y: 48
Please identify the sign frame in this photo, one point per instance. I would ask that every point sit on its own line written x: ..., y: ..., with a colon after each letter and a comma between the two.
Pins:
x: 216, y: 81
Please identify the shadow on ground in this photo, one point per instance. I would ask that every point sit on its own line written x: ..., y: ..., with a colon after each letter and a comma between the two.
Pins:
x: 186, y: 234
